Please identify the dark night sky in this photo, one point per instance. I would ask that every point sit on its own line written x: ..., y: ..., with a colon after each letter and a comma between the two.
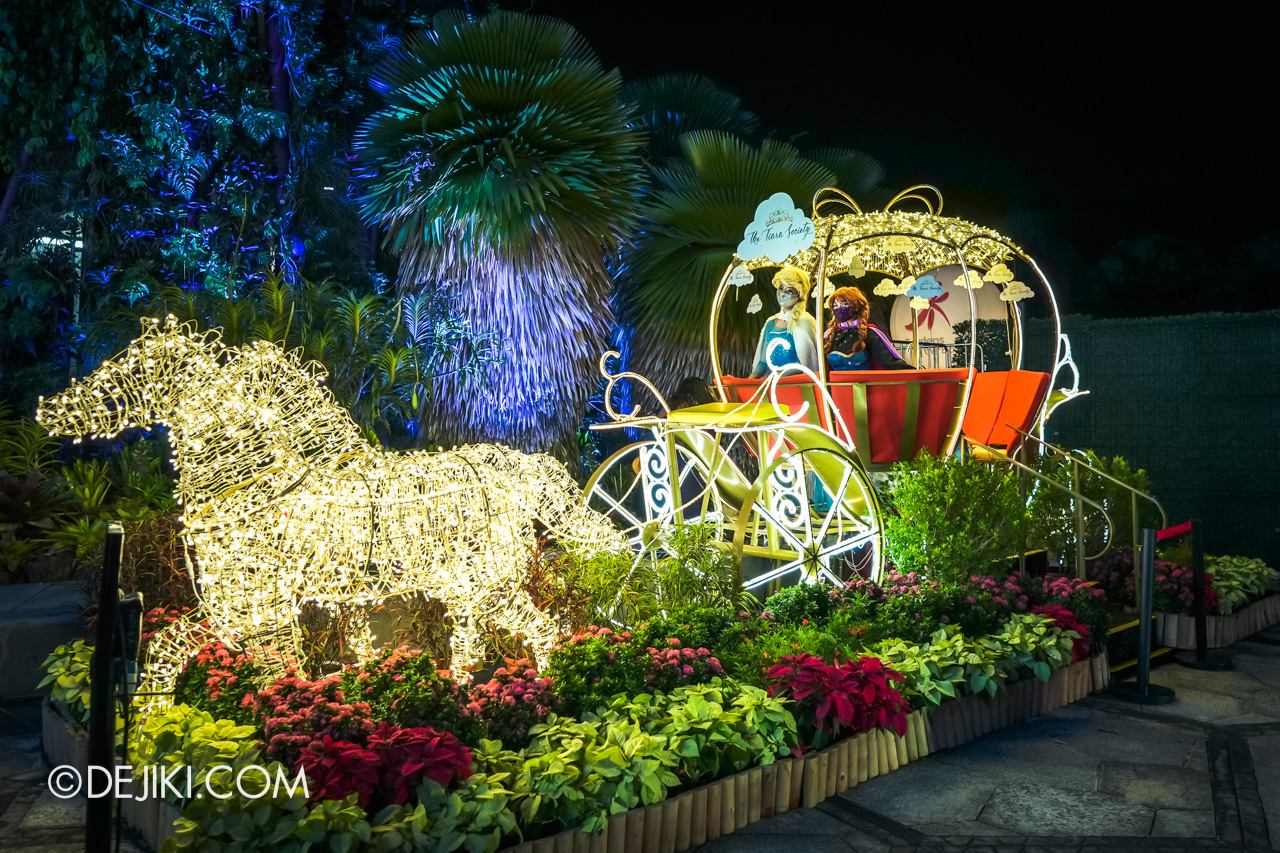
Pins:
x: 1099, y: 128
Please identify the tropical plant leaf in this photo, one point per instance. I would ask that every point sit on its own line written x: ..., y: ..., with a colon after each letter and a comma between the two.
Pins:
x: 503, y: 165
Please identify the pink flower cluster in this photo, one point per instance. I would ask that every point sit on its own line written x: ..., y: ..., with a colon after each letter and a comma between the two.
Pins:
x: 221, y: 666
x: 1004, y: 594
x: 157, y: 619
x: 594, y: 632
x: 1177, y: 583
x: 892, y: 584
x: 674, y: 665
x: 296, y: 712
x: 1065, y: 587
x: 513, y: 701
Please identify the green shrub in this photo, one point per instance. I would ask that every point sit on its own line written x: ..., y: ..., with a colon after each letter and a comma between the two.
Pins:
x: 1238, y: 580
x: 591, y: 667
x: 795, y: 604
x: 474, y: 818
x: 715, y: 729
x: 1033, y: 645
x: 402, y: 686
x: 270, y: 819
x: 756, y: 657
x: 183, y: 736
x: 682, y: 567
x: 697, y: 627
x: 67, y: 677
x: 1051, y: 520
x: 951, y: 519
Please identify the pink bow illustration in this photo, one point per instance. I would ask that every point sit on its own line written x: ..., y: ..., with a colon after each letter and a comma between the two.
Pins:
x: 926, y: 316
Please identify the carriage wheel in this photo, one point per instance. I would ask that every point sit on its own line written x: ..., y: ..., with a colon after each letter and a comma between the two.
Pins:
x: 633, y: 487
x: 819, y: 504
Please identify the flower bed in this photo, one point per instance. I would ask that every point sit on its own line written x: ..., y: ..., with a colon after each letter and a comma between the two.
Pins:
x: 1238, y: 600
x: 684, y: 727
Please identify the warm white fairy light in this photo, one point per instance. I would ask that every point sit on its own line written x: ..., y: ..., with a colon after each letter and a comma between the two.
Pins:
x: 284, y: 502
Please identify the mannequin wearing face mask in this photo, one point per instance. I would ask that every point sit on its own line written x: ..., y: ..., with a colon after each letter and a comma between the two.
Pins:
x: 851, y: 342
x: 792, y: 327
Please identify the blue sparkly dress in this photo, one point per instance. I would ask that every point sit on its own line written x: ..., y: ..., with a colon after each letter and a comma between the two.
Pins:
x: 782, y: 355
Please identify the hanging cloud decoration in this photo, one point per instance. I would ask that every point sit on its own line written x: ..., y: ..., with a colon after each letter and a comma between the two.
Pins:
x: 1016, y: 291
x: 779, y: 230
x: 926, y: 286
x: 886, y: 287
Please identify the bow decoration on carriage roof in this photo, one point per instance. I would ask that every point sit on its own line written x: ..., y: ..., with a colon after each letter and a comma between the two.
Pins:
x: 926, y: 316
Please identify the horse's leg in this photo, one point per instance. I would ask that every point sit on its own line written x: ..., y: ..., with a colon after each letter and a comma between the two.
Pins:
x: 167, y: 655
x: 516, y: 614
x: 467, y: 644
x: 360, y: 636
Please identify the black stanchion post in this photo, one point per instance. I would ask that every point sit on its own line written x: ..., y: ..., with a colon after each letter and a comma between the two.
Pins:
x: 1203, y: 658
x: 102, y: 703
x: 1144, y: 692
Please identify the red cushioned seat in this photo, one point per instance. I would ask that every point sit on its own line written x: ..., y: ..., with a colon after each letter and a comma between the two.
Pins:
x: 894, y: 414
x: 793, y: 392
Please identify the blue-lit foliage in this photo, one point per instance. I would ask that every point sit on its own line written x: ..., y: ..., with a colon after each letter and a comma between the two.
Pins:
x: 207, y: 148
x: 504, y: 168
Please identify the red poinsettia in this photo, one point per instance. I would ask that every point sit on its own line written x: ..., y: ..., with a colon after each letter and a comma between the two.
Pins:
x: 854, y: 696
x: 410, y: 755
x: 338, y: 768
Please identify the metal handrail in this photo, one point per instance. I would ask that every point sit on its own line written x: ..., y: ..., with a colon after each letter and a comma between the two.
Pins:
x: 1080, y: 555
x: 1134, y: 494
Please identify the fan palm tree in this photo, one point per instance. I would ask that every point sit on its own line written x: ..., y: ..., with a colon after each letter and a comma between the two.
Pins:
x: 503, y: 166
x: 670, y: 105
x: 692, y: 225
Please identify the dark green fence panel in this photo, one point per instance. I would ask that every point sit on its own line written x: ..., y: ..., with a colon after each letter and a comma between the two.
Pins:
x: 1195, y: 400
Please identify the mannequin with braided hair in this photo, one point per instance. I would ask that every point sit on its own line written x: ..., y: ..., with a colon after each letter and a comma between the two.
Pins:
x: 792, y: 326
x: 851, y: 342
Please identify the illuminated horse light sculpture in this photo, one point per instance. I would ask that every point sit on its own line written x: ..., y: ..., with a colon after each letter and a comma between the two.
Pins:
x: 284, y: 502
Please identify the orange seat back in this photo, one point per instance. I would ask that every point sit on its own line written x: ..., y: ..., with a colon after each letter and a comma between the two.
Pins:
x: 1023, y: 394
x: 1002, y: 400
x: 893, y: 414
x: 984, y: 405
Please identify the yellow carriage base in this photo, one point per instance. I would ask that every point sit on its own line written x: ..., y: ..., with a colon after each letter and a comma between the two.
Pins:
x: 816, y: 435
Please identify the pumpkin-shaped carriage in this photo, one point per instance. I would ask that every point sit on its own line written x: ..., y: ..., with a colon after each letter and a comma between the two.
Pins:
x: 816, y: 434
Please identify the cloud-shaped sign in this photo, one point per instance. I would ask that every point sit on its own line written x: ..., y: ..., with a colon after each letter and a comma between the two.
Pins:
x: 919, y: 303
x: 999, y: 274
x: 886, y: 287
x: 905, y: 285
x: 779, y: 230
x: 975, y: 280
x: 899, y: 244
x: 754, y: 306
x: 1016, y: 292
x: 741, y: 276
x: 926, y: 286
x: 829, y: 289
x: 853, y: 263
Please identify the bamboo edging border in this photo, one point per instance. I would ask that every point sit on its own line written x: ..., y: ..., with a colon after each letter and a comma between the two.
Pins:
x: 1178, y: 630
x: 726, y: 805
x: 704, y: 814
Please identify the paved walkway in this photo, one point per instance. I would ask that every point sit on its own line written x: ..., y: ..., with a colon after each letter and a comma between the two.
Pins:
x: 1200, y: 773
